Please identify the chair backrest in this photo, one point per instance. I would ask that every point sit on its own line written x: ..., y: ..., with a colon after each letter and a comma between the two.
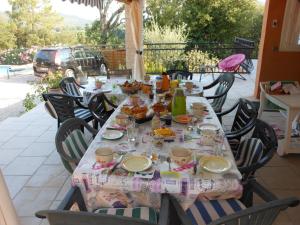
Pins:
x: 98, y: 107
x: 62, y: 104
x: 186, y: 75
x: 245, y: 116
x: 257, y: 153
x: 70, y: 142
x: 263, y: 214
x: 57, y: 217
x: 69, y: 86
x: 225, y: 81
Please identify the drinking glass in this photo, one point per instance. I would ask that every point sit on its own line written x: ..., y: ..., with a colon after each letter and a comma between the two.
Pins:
x: 179, y: 78
x: 132, y: 137
x: 218, y: 143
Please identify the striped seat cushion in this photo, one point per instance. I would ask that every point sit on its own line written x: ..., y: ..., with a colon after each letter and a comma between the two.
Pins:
x: 204, y: 212
x: 74, y: 146
x: 73, y: 90
x: 82, y: 113
x: 250, y: 151
x: 143, y: 213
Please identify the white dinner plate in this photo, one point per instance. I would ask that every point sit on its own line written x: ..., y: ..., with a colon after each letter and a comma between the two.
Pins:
x: 214, y: 164
x: 112, y: 134
x: 136, y: 163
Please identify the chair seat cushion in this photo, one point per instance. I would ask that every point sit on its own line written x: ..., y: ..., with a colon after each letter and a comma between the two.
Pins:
x: 82, y: 113
x: 249, y: 152
x: 143, y: 213
x: 74, y: 146
x: 204, y: 212
x: 73, y: 90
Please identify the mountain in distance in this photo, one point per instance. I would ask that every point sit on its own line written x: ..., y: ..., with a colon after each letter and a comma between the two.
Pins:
x: 3, y: 16
x: 69, y: 20
x: 75, y: 21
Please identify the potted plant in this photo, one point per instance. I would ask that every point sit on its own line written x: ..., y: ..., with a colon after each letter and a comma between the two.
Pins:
x: 52, y: 81
x: 98, y: 83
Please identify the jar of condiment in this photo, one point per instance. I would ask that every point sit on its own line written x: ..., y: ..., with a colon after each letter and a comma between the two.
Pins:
x: 158, y: 84
x: 165, y: 82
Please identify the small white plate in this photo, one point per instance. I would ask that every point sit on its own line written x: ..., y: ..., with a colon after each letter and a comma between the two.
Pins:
x: 112, y: 134
x: 208, y: 126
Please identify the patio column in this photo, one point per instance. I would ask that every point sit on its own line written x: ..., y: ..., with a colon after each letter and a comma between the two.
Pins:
x: 8, y: 215
x: 134, y: 38
x: 129, y: 46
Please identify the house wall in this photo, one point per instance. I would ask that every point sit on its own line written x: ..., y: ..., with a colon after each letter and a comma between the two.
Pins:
x: 272, y: 64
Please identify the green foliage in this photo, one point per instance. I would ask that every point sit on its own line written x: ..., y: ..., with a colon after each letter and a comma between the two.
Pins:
x: 29, y: 102
x: 17, y: 56
x: 165, y: 34
x: 68, y: 36
x: 7, y: 39
x: 164, y: 13
x: 156, y: 60
x: 52, y: 80
x: 207, y: 20
x: 33, y: 22
x: 114, y: 36
x: 195, y: 58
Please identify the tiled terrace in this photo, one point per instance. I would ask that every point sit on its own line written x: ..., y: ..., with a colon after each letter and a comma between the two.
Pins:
x: 37, y: 179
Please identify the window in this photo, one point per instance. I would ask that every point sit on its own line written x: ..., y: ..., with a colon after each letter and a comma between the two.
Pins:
x: 65, y: 54
x: 78, y: 54
x: 290, y: 35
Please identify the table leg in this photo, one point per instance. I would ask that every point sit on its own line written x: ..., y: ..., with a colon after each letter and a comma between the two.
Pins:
x: 284, y: 148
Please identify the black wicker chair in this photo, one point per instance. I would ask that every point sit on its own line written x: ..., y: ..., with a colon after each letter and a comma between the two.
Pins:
x: 64, y: 106
x: 70, y: 87
x: 70, y: 142
x: 262, y: 214
x: 98, y: 106
x: 243, y: 122
x: 186, y: 75
x: 225, y: 82
x: 62, y: 216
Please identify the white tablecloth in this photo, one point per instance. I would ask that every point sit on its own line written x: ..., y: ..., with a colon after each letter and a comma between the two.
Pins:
x: 126, y: 190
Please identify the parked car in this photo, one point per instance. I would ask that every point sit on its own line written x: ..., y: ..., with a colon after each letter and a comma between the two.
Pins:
x: 72, y: 61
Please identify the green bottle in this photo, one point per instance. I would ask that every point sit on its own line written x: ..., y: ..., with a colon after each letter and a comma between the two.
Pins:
x: 178, y: 103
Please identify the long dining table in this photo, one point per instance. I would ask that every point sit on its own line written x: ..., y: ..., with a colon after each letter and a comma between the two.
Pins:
x: 121, y: 188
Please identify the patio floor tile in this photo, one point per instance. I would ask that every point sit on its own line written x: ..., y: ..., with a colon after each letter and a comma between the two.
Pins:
x: 53, y: 159
x: 15, y: 184
x: 6, y: 135
x: 48, y: 176
x: 23, y: 166
x: 48, y: 136
x: 63, y: 191
x: 19, y: 142
x: 32, y: 131
x: 8, y: 155
x: 29, y: 220
x: 280, y: 177
x: 39, y: 149
x: 30, y: 200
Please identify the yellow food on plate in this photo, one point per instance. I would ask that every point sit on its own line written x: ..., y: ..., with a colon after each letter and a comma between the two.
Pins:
x: 165, y: 132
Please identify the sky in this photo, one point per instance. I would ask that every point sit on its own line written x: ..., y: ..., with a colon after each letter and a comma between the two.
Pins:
x: 85, y: 12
